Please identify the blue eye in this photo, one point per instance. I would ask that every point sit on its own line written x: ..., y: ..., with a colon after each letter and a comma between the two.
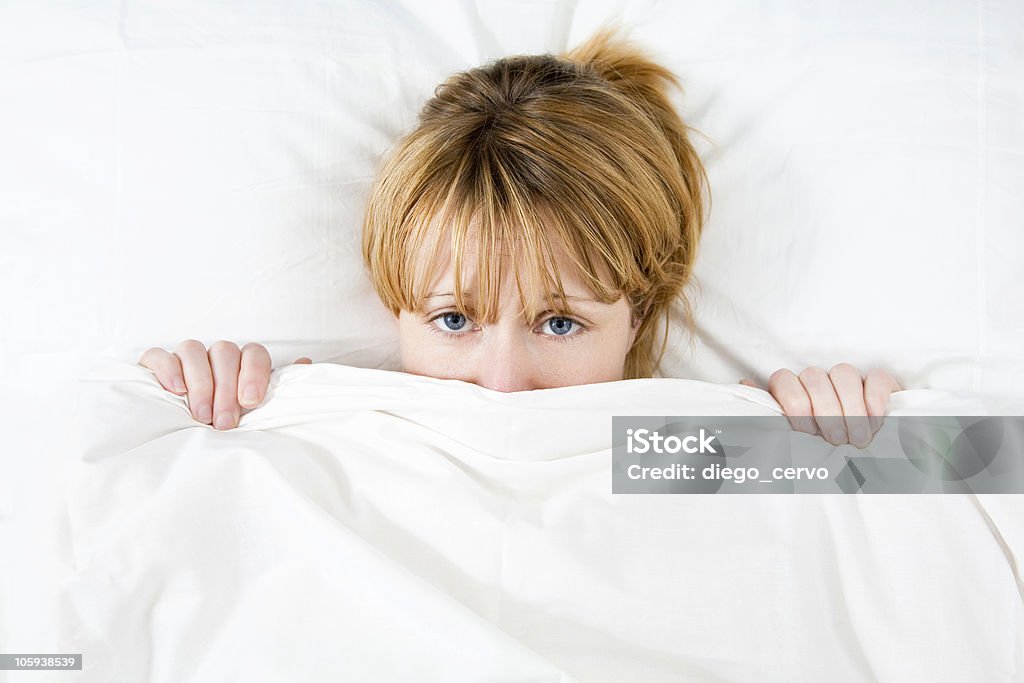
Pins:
x: 451, y: 321
x: 561, y: 326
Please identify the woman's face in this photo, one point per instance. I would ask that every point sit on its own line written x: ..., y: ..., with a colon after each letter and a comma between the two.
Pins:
x: 514, y: 354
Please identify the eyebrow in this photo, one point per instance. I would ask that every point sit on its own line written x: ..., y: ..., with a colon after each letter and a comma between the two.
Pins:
x: 554, y: 295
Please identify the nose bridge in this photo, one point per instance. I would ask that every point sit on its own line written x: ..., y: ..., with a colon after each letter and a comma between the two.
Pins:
x: 505, y: 362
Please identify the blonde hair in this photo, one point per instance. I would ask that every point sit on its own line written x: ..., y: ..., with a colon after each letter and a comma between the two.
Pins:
x: 582, y: 152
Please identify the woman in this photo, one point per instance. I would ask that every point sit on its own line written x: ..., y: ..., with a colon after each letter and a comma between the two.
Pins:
x: 530, y: 233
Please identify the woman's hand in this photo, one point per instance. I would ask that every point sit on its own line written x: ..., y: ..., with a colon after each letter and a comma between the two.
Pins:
x: 219, y: 382
x: 841, y: 405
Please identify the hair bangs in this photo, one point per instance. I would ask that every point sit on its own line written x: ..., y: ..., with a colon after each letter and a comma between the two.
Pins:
x: 488, y: 222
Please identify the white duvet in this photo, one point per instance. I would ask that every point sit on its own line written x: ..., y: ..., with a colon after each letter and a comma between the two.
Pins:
x: 368, y: 525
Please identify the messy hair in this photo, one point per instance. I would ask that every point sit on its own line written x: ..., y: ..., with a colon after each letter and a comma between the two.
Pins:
x: 581, y: 153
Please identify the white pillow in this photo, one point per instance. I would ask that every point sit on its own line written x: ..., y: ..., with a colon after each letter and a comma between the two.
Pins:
x: 200, y: 171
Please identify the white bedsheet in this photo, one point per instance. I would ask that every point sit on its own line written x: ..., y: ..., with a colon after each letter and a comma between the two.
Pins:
x: 371, y: 525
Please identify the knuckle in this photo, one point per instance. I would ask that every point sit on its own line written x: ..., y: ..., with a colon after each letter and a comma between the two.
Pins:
x: 222, y: 345
x: 812, y: 373
x: 878, y: 384
x: 254, y: 347
x: 148, y: 358
x: 778, y: 375
x: 842, y: 369
x: 876, y: 375
x: 191, y: 346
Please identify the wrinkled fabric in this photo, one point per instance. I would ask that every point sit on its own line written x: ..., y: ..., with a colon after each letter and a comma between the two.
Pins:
x: 372, y: 525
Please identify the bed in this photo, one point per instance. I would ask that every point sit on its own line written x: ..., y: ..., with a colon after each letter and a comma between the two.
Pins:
x: 198, y: 169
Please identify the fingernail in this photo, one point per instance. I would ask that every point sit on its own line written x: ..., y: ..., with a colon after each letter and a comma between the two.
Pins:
x: 179, y: 385
x: 837, y: 437
x: 224, y: 421
x: 204, y: 414
x: 808, y: 425
x: 251, y: 395
x: 859, y: 436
